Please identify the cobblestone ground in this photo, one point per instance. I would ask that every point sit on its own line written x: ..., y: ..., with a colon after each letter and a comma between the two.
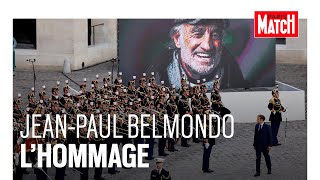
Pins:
x: 230, y: 159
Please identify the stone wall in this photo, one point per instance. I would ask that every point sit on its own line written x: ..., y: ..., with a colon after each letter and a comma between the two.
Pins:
x: 62, y: 39
x: 295, y: 50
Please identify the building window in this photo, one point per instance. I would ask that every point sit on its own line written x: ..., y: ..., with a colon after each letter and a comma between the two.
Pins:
x: 281, y: 41
x: 24, y: 31
x: 96, y: 32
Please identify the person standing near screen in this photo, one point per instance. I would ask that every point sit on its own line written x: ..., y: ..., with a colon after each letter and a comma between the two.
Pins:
x: 262, y: 143
x: 198, y: 52
x: 275, y: 116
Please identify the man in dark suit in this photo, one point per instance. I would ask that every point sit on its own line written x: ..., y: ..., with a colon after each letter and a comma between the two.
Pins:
x: 207, y: 148
x: 262, y: 143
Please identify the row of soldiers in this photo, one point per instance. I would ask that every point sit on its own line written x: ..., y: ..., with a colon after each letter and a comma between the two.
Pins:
x: 114, y: 98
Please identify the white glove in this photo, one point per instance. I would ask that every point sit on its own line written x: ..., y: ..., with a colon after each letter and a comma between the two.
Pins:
x: 36, y: 165
x: 19, y: 141
x: 16, y: 158
x: 206, y: 145
x: 168, y: 135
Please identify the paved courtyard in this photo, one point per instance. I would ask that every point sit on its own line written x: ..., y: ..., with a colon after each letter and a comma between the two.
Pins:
x: 230, y: 159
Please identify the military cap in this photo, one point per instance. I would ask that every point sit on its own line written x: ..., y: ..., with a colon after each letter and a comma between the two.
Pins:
x: 275, y: 90
x: 31, y: 95
x: 203, y: 85
x: 159, y: 160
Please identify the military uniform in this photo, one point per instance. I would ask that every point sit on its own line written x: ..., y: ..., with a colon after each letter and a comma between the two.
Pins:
x: 162, y: 141
x: 160, y: 173
x: 60, y: 172
x: 172, y: 109
x: 84, y: 170
x: 142, y: 91
x: 91, y: 101
x: 275, y: 117
x: 216, y: 103
x: 183, y: 108
x: 163, y: 174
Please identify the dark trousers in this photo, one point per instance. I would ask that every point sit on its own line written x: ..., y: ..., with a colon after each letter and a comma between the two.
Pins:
x: 124, y: 142
x: 19, y: 173
x: 39, y: 174
x: 97, y: 172
x: 206, y: 157
x: 60, y: 173
x: 150, y: 141
x: 161, y: 145
x: 85, y: 173
x: 138, y: 140
x: 171, y: 143
x: 194, y: 134
x: 223, y: 111
x: 266, y: 157
x: 184, y: 141
x: 275, y: 125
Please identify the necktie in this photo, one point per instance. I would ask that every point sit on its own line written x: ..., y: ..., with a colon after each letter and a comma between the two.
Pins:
x: 260, y: 127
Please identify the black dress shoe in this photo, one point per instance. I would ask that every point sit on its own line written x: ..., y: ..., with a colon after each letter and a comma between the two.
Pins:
x: 176, y: 150
x: 112, y: 172
x: 208, y: 171
x: 186, y: 145
x: 256, y: 174
x: 278, y: 144
x: 196, y: 141
x: 269, y: 171
x: 117, y: 171
x: 164, y: 154
x: 99, y: 178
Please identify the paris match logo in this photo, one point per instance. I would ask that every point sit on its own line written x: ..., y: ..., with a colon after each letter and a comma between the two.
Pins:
x: 276, y: 24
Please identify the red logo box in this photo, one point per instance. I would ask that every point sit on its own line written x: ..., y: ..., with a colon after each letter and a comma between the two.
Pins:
x: 276, y: 24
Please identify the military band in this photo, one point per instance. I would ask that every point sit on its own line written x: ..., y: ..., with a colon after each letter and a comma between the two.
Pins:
x: 116, y: 98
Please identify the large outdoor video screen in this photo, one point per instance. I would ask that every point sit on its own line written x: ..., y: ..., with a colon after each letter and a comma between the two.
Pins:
x: 197, y: 48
